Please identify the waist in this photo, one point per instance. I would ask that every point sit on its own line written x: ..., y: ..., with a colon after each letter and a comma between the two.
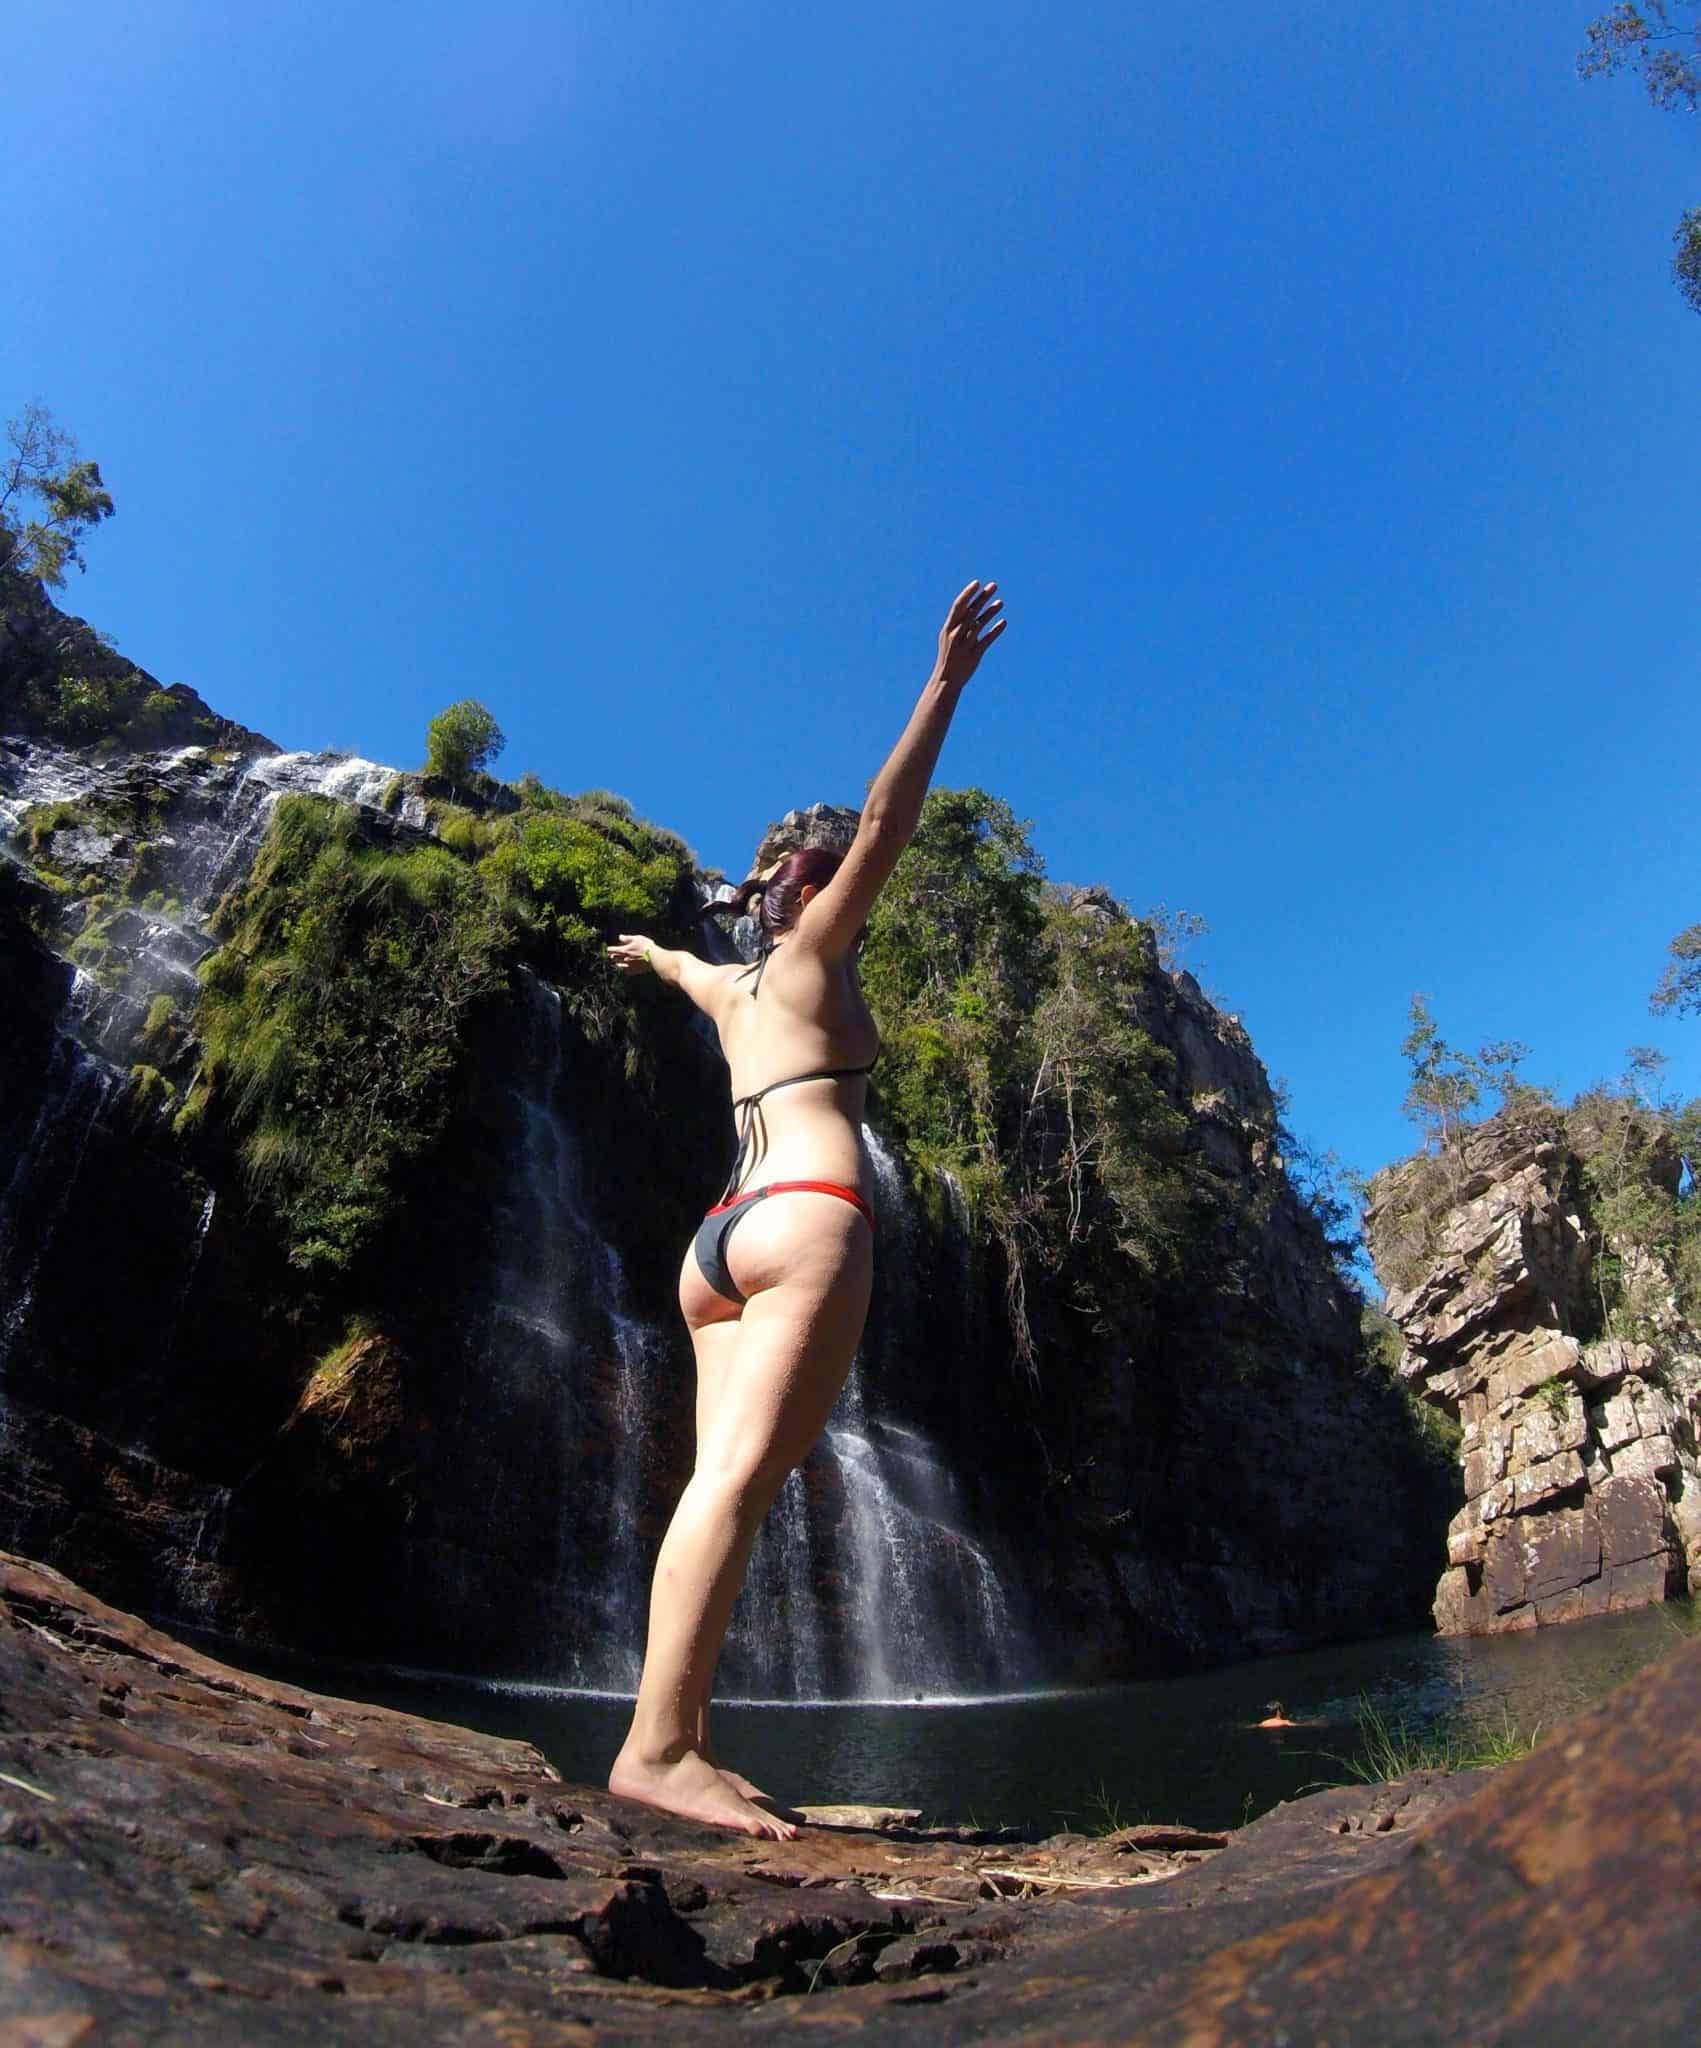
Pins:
x: 807, y: 1141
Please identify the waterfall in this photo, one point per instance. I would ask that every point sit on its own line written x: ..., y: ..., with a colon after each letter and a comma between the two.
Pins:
x: 562, y: 1347
x: 924, y: 1612
x: 637, y: 1351
x: 76, y: 1088
x: 868, y: 1579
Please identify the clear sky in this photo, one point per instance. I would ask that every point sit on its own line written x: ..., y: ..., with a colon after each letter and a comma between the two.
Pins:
x: 1310, y: 378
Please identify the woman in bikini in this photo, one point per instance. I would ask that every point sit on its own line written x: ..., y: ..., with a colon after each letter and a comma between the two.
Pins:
x: 775, y: 1291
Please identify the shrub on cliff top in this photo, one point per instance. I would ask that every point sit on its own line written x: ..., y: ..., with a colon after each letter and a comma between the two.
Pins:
x: 461, y: 740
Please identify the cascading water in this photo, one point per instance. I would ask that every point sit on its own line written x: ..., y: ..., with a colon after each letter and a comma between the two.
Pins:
x: 559, y: 1340
x: 924, y: 1612
x: 43, y: 1174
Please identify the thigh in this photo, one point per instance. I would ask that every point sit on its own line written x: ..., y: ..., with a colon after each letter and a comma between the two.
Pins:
x: 716, y: 1347
x: 795, y: 1342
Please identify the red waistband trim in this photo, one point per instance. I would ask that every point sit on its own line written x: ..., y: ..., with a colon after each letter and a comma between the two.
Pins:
x: 793, y: 1187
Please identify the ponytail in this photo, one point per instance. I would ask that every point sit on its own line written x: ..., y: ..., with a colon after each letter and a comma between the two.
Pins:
x: 772, y: 900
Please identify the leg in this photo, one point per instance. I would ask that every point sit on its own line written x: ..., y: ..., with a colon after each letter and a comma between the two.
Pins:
x: 793, y: 1349
x: 715, y: 1344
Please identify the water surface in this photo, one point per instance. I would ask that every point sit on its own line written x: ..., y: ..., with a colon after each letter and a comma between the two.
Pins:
x: 1157, y: 1749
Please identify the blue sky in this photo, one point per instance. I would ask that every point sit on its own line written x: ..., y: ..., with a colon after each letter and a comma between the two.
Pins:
x: 1311, y: 381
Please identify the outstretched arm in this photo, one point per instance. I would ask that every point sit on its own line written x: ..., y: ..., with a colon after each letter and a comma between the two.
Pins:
x: 832, y: 920
x: 634, y: 954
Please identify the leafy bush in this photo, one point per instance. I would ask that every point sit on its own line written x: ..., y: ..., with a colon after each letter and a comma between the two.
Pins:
x: 1013, y: 1055
x: 333, y: 1017
x: 578, y: 876
x: 461, y: 740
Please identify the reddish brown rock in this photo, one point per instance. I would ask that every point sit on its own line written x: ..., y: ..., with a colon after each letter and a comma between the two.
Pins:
x: 1579, y: 1460
x: 189, y: 1853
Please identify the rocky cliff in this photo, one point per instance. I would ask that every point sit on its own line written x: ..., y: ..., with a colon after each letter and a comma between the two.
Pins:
x: 1578, y: 1453
x: 343, y: 1193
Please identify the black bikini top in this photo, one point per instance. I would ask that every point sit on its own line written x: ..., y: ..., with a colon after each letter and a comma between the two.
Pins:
x: 752, y: 1126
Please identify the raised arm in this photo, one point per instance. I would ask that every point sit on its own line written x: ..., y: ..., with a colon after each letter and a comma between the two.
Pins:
x: 831, y: 921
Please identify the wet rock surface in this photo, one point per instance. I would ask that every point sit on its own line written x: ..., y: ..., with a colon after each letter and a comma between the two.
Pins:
x: 192, y: 1853
x: 1581, y: 1476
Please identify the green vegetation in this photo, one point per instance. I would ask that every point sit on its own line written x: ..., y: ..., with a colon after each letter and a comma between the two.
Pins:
x: 336, y: 1015
x: 1447, y: 1084
x: 1555, y: 1396
x: 1391, y: 1748
x: 103, y: 699
x: 1645, y: 1234
x: 1013, y: 1056
x: 1110, y: 1816
x: 1679, y: 990
x: 1437, y: 1432
x: 1642, y: 1216
x: 1660, y: 40
x: 462, y: 740
x: 41, y: 821
x: 332, y: 1016
x: 41, y: 465
x: 150, y: 1091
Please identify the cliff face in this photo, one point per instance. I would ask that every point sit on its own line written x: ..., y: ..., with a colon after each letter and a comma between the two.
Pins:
x: 394, y: 1368
x: 1583, y: 1492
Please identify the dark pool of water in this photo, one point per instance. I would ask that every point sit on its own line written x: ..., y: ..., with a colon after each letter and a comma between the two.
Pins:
x: 1162, y: 1749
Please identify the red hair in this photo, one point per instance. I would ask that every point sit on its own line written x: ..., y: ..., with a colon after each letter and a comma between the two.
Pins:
x: 773, y: 900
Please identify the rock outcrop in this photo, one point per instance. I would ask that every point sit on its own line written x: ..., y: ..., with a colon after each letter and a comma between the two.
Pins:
x: 1578, y: 1451
x: 191, y: 1853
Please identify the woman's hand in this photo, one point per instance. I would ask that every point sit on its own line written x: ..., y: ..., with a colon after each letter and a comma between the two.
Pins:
x: 631, y: 954
x: 971, y: 626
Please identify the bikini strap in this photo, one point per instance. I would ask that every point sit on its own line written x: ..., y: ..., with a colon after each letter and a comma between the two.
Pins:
x: 764, y: 953
x: 791, y: 1081
x: 749, y: 1120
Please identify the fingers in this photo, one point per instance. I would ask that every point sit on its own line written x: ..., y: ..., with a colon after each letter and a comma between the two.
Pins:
x: 987, y: 639
x: 975, y: 605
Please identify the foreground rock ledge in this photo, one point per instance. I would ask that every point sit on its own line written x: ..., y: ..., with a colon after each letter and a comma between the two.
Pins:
x: 190, y: 1853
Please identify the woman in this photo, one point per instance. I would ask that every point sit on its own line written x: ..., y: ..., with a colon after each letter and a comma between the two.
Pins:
x: 775, y: 1287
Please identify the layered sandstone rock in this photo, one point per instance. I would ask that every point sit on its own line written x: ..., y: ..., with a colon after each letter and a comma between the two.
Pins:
x: 192, y: 1853
x: 1582, y: 1486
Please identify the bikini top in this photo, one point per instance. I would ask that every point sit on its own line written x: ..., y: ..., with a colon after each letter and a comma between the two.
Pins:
x: 751, y: 1124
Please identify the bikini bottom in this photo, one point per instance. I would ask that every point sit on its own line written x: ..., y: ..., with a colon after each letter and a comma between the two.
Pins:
x: 718, y: 1225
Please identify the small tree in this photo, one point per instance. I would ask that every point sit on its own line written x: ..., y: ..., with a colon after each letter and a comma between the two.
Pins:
x: 1499, y: 1062
x: 1679, y: 987
x: 1173, y: 931
x: 1445, y: 1084
x: 1661, y: 41
x: 462, y: 740
x: 41, y: 463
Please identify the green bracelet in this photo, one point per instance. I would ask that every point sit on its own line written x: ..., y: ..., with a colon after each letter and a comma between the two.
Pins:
x: 648, y: 950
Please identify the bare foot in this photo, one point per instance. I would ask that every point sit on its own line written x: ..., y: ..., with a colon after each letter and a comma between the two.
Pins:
x: 732, y: 1777
x: 755, y: 1794
x: 691, y: 1787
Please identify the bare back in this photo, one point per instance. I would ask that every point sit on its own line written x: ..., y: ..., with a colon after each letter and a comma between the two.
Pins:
x: 806, y: 1015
